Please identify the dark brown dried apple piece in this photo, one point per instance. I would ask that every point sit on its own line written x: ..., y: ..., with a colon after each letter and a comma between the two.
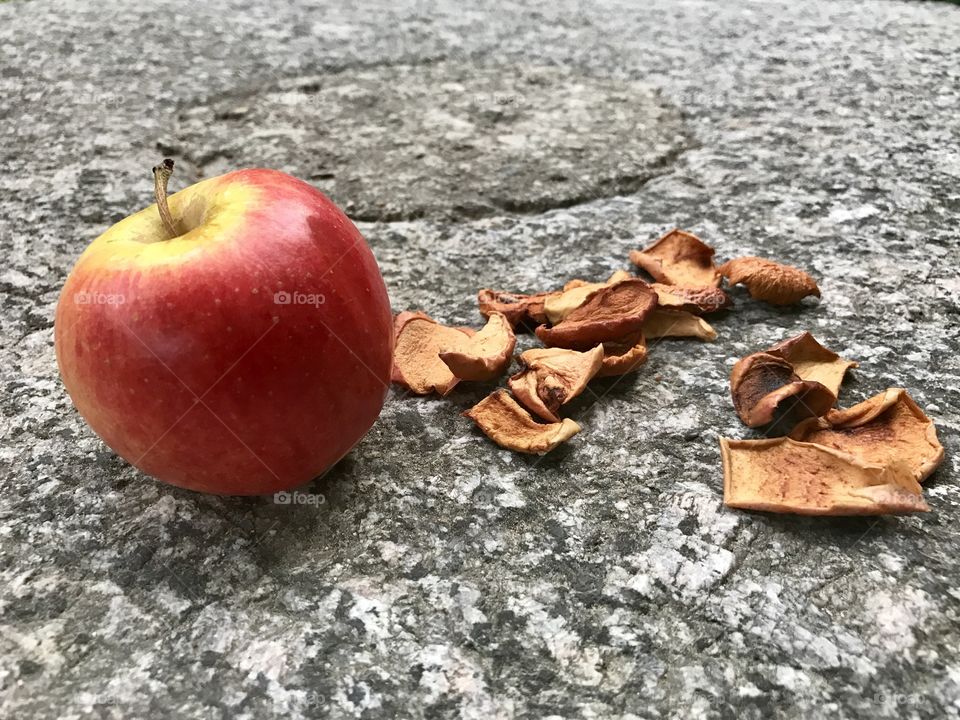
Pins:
x: 416, y: 363
x: 678, y: 258
x: 575, y: 294
x: 677, y: 323
x: 486, y: 355
x: 519, y: 309
x: 784, y: 476
x: 770, y: 281
x: 887, y: 428
x: 623, y: 356
x: 552, y: 377
x: 812, y: 361
x: 767, y: 392
x: 610, y: 313
x: 511, y: 427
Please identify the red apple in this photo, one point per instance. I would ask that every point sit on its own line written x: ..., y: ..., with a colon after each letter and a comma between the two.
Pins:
x: 242, y: 349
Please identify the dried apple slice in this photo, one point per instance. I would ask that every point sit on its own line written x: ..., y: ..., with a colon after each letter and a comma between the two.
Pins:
x: 677, y: 323
x: 766, y: 391
x: 886, y: 428
x: 416, y: 362
x: 615, y: 277
x: 552, y: 377
x: 770, y: 281
x: 575, y: 293
x: 812, y: 361
x: 623, y: 356
x: 785, y: 476
x: 517, y: 308
x: 486, y: 355
x: 511, y: 427
x: 678, y: 258
x: 697, y: 300
x: 610, y: 313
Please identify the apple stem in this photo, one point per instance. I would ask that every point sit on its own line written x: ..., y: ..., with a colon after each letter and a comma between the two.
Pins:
x: 161, y: 176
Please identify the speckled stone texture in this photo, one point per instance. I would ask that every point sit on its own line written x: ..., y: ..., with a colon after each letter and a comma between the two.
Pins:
x: 443, y: 577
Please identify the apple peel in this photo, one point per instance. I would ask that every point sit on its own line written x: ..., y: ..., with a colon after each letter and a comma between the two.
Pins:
x: 505, y: 422
x: 551, y: 377
x: 416, y: 361
x: 610, y: 313
x: 886, y: 428
x: 770, y: 281
x: 767, y: 392
x: 678, y: 258
x: 677, y: 323
x: 484, y: 356
x: 785, y: 476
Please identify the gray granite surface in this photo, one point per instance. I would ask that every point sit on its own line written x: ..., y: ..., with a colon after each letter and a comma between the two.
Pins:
x: 443, y: 577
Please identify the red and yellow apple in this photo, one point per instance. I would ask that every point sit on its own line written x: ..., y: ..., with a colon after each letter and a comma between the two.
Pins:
x: 244, y: 351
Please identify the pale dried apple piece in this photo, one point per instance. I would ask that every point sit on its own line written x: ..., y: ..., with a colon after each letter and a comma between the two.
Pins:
x: 678, y: 258
x: 697, y: 300
x: 766, y: 391
x: 552, y: 377
x: 486, y: 355
x: 784, y: 476
x: 886, y: 428
x: 619, y: 276
x: 519, y: 309
x: 512, y: 427
x: 416, y: 363
x: 677, y: 323
x: 537, y: 394
x: 812, y: 361
x: 770, y: 281
x: 610, y: 313
x: 623, y: 356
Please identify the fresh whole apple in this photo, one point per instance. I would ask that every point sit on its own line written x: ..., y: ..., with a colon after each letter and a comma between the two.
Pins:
x: 234, y: 338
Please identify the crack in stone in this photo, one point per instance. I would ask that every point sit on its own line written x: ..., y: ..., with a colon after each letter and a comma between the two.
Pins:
x: 443, y: 139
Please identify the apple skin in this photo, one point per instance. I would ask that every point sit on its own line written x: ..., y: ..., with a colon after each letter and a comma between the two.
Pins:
x: 184, y: 357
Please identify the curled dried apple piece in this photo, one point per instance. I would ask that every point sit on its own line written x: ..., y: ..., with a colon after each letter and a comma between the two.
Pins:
x: 486, y: 355
x: 696, y: 300
x: 551, y: 377
x: 610, y: 313
x: 677, y: 323
x: 623, y: 356
x: 416, y: 362
x: 886, y: 428
x: 812, y: 361
x: 511, y: 427
x: 766, y: 391
x: 770, y: 281
x: 678, y: 258
x: 519, y: 309
x: 784, y: 476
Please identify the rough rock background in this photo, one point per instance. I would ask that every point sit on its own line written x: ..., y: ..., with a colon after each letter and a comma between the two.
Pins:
x: 444, y: 577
